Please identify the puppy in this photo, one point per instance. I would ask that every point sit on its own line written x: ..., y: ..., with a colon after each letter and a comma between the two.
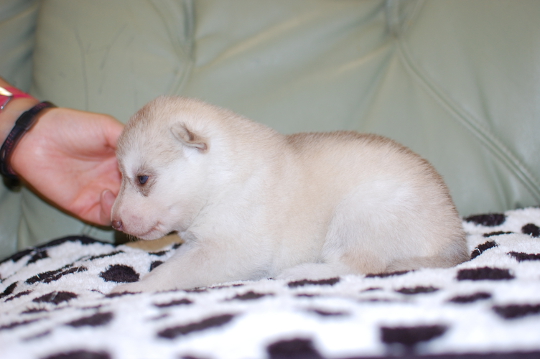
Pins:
x: 252, y: 203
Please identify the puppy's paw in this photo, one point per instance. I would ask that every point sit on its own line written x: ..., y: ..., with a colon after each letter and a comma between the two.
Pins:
x: 146, y: 285
x: 313, y: 271
x: 129, y: 288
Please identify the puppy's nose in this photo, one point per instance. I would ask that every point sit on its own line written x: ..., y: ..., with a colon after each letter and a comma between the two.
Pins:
x: 117, y: 224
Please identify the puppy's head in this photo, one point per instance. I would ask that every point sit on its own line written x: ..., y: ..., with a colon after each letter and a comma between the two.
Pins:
x: 163, y: 156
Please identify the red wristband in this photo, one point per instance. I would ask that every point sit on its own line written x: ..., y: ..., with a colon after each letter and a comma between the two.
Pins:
x: 7, y: 93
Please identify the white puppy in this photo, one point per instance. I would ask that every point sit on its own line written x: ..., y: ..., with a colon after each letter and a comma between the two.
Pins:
x: 252, y: 203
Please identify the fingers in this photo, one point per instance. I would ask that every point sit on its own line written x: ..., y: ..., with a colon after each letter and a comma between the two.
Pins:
x: 107, y: 201
x: 112, y: 129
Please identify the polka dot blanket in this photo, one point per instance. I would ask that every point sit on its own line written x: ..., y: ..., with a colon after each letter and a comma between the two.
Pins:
x: 55, y: 304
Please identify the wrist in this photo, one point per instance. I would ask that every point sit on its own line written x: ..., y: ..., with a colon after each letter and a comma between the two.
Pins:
x: 13, y: 102
x: 23, y: 124
x: 11, y: 112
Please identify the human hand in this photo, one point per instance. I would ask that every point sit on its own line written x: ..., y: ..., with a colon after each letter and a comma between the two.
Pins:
x: 69, y: 158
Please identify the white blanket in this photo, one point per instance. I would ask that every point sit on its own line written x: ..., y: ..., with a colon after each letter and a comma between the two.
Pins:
x: 54, y: 304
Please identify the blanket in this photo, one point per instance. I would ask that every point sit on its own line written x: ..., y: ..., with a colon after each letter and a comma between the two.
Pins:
x: 55, y: 304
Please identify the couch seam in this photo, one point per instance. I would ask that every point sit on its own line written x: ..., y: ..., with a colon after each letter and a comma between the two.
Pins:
x: 491, y: 142
x: 184, y: 46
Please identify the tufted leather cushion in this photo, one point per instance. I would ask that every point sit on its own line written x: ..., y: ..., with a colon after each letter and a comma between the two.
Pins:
x: 458, y: 81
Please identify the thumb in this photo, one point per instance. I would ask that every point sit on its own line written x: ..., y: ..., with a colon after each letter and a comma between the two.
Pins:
x: 107, y: 201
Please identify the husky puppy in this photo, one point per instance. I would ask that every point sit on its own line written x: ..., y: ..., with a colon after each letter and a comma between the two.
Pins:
x: 250, y: 202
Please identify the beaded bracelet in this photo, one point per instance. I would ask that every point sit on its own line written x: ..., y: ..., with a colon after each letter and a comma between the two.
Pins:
x: 22, y: 125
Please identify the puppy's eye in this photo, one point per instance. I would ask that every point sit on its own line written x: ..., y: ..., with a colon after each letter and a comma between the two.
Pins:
x: 142, y: 179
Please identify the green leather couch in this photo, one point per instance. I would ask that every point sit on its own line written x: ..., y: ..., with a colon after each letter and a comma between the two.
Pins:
x: 458, y: 81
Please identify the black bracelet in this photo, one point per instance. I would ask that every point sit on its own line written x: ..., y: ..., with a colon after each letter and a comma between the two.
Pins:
x: 22, y: 125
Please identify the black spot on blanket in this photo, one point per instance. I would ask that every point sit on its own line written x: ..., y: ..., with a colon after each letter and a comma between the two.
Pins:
x: 38, y: 255
x: 482, y: 248
x: 18, y: 295
x: 410, y: 336
x: 174, y: 303
x: 196, y: 290
x: 531, y: 229
x: 298, y: 348
x: 106, y: 255
x: 307, y: 295
x: 484, y: 273
x: 159, y: 317
x: 378, y: 300
x: 155, y: 264
x: 34, y: 310
x: 327, y: 313
x: 516, y: 311
x: 81, y: 239
x: 38, y: 335
x: 120, y: 274
x: 303, y: 282
x: 17, y: 324
x: 17, y: 256
x: 250, y: 296
x: 56, y: 297
x: 498, y: 233
x: 371, y: 289
x: 93, y: 307
x: 226, y: 286
x: 212, y: 322
x: 95, y: 320
x: 487, y: 220
x: 8, y: 290
x: 51, y: 276
x: 388, y: 274
x: 79, y: 354
x: 521, y: 257
x: 116, y: 295
x: 417, y: 290
x: 463, y: 299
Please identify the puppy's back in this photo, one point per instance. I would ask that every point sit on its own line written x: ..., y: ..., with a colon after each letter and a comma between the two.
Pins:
x: 385, y: 189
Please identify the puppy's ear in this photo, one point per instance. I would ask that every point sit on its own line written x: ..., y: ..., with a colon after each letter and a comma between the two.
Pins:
x: 189, y: 138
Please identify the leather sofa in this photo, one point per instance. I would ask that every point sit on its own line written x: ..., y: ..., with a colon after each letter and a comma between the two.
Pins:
x: 458, y: 81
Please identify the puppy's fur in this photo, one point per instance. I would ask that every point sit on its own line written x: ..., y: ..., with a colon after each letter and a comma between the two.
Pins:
x: 251, y: 203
